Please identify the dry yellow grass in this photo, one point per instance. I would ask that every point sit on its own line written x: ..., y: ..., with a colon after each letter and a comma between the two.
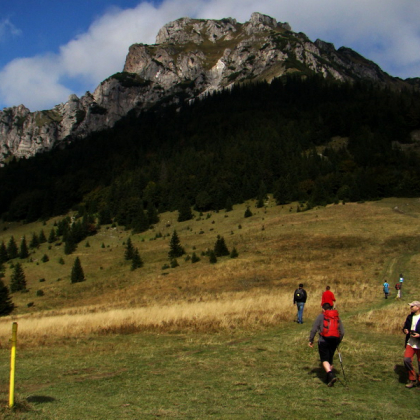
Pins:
x: 352, y: 247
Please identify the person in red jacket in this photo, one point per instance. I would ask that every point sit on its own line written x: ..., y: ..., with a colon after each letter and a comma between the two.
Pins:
x: 330, y: 331
x: 328, y: 297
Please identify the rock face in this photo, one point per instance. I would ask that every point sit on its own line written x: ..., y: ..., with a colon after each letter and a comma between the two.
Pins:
x: 191, y: 58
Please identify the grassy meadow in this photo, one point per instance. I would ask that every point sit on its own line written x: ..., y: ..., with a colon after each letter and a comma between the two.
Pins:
x: 204, y: 341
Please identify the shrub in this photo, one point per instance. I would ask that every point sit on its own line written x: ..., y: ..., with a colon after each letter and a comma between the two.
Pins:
x: 234, y: 253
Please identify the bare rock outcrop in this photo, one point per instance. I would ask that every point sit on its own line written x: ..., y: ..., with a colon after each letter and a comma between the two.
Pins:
x: 191, y: 58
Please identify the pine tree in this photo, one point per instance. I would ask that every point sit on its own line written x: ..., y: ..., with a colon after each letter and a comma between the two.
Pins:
x: 140, y: 223
x: 184, y: 211
x: 77, y: 274
x: 41, y: 237
x: 220, y: 248
x: 18, y: 280
x: 12, y: 250
x: 69, y: 245
x: 262, y: 195
x: 212, y: 257
x: 228, y: 205
x: 52, y: 236
x: 34, y: 243
x: 136, y: 260
x: 176, y: 250
x: 6, y: 304
x: 129, y: 250
x: 248, y: 212
x: 152, y: 215
x: 23, y: 253
x: 3, y: 253
x: 234, y: 253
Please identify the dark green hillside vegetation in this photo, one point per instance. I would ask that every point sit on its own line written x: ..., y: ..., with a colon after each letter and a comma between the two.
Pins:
x: 221, y: 151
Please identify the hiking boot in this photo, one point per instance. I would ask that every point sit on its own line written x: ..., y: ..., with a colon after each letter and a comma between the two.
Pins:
x: 331, y: 379
x: 412, y: 384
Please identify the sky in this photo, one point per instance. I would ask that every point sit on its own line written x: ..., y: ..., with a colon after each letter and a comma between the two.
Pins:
x: 50, y: 49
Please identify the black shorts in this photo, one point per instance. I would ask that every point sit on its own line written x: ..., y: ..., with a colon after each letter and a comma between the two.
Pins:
x: 327, y: 347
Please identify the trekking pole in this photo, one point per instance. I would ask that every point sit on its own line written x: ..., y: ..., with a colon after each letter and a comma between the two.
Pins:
x: 341, y: 363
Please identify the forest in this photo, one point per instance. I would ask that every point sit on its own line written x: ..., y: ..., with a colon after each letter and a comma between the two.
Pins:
x: 229, y: 147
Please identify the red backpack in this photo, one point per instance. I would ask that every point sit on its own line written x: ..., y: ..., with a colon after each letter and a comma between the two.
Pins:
x: 331, y: 327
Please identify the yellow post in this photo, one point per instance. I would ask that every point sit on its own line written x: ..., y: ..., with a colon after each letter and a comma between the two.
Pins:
x: 12, y: 366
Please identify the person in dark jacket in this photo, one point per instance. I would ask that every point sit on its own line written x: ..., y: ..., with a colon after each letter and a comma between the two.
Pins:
x: 327, y: 344
x: 299, y: 298
x: 411, y: 330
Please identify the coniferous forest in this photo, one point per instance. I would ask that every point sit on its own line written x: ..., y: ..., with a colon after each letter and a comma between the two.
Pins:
x: 229, y: 147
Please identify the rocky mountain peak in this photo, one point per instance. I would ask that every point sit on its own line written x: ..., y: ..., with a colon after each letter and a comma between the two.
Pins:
x: 264, y: 22
x: 191, y: 58
x: 187, y: 30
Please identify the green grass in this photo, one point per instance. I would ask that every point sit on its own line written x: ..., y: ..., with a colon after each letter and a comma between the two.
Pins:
x: 270, y: 374
x: 251, y: 372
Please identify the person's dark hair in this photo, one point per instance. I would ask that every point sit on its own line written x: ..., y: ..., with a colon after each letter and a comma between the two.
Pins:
x: 301, y: 285
x: 328, y: 287
x: 326, y: 307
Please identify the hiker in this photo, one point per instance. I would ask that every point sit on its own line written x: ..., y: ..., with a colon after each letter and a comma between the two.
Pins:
x: 330, y: 331
x: 411, y: 330
x: 299, y: 298
x: 401, y: 281
x: 386, y: 289
x: 398, y: 289
x: 328, y: 297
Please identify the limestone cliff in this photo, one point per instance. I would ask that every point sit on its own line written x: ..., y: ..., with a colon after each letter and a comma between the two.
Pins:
x: 191, y: 58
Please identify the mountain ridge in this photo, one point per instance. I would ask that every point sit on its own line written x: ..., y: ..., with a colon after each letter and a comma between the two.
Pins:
x: 190, y: 59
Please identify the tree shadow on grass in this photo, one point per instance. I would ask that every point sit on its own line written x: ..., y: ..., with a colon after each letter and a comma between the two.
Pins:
x: 402, y: 373
x: 39, y: 399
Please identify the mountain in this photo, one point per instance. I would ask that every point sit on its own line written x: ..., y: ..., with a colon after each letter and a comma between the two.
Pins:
x: 191, y: 58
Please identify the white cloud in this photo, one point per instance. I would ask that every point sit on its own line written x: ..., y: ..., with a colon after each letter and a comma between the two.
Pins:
x: 7, y: 28
x: 385, y: 31
x: 33, y: 82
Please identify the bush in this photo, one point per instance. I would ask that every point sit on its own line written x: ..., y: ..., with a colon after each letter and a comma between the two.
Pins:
x: 213, y: 258
x: 248, y: 212
x: 234, y: 253
x: 194, y: 258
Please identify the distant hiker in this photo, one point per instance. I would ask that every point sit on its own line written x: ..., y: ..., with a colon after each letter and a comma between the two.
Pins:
x: 401, y: 281
x: 398, y: 289
x: 330, y: 331
x: 299, y: 298
x: 386, y: 289
x: 328, y: 297
x: 411, y: 330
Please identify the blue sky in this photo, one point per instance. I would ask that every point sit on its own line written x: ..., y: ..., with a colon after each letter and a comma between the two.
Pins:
x: 50, y: 49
